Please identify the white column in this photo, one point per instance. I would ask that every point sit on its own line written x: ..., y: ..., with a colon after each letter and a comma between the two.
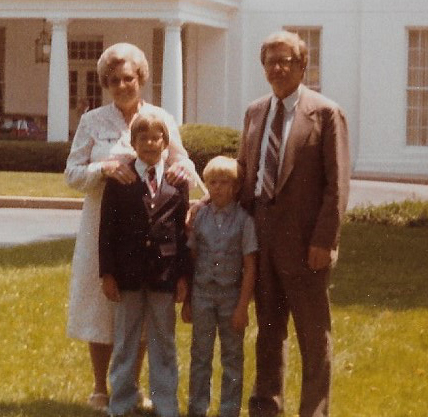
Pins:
x: 58, y: 94
x: 172, y: 78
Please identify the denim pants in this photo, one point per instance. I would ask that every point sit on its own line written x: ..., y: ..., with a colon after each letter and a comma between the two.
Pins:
x: 212, y: 309
x: 158, y: 309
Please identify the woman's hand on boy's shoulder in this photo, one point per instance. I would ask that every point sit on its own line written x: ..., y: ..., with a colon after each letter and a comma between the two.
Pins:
x: 177, y: 174
x: 119, y: 168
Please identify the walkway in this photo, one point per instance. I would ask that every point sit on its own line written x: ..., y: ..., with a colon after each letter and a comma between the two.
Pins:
x: 26, y: 220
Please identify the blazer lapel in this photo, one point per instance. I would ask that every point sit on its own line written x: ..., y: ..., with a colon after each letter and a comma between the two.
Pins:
x: 258, y: 124
x: 299, y: 133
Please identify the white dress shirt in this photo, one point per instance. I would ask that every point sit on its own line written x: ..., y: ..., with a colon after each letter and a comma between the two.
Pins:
x: 142, y: 168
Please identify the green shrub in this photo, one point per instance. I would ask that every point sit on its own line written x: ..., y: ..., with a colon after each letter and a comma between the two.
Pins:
x: 203, y: 142
x: 33, y: 156
x: 406, y: 213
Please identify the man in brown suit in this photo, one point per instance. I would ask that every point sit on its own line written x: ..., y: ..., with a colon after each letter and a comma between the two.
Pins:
x: 298, y: 207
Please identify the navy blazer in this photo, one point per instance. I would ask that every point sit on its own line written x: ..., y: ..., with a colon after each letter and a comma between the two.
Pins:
x: 142, y: 240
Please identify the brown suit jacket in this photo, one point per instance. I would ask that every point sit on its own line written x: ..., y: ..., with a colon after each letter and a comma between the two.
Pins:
x: 313, y: 185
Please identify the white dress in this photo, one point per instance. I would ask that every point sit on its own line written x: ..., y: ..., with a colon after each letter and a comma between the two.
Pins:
x: 101, y: 134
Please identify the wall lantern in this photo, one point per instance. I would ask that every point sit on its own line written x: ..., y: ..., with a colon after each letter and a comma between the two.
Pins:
x: 43, y: 46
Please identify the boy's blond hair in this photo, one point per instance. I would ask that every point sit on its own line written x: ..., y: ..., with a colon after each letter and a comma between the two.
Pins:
x: 143, y: 123
x: 222, y: 165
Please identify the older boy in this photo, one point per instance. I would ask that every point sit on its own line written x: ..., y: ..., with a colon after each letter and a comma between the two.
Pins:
x: 143, y: 257
x: 223, y: 243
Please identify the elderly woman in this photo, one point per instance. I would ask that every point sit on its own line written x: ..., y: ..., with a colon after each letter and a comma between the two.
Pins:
x: 101, y: 148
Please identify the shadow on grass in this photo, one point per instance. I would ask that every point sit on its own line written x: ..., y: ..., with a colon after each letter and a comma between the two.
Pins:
x: 50, y: 253
x: 382, y: 267
x: 46, y: 408
x: 379, y: 266
x: 49, y: 408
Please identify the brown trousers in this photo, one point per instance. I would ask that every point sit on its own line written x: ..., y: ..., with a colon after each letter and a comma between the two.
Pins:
x: 305, y: 296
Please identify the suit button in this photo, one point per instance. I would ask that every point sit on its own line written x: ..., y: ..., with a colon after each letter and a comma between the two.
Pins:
x: 148, y: 243
x: 150, y: 221
x: 215, y: 263
x: 152, y: 205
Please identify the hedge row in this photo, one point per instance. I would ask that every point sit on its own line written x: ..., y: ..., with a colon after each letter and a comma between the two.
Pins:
x: 201, y: 141
x: 410, y: 213
x: 33, y: 156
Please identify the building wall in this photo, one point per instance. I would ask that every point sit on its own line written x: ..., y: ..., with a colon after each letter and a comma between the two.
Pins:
x: 384, y: 62
x: 26, y: 82
x: 339, y: 25
x: 363, y: 68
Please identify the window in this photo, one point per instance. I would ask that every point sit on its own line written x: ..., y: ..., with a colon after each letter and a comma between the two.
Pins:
x: 85, y: 90
x: 417, y: 88
x: 85, y: 49
x: 93, y: 90
x: 2, y: 63
x: 312, y: 37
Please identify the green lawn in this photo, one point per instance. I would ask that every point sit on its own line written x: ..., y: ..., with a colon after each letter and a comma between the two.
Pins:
x: 380, y: 328
x: 35, y: 184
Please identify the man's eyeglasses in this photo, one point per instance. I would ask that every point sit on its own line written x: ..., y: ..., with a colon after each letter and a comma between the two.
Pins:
x: 282, y: 62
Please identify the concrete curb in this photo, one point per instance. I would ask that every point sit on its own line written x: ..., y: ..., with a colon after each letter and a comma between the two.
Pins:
x: 395, y: 178
x: 44, y: 203
x: 41, y: 202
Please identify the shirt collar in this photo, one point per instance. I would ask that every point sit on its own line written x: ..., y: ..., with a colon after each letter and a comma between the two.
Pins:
x: 290, y: 101
x: 141, y: 168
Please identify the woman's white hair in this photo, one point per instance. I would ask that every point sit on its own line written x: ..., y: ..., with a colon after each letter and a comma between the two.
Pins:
x: 120, y: 53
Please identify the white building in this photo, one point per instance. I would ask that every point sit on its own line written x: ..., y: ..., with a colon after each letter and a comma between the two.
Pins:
x: 371, y: 56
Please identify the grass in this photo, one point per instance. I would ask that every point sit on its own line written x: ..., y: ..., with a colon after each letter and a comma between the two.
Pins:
x: 379, y: 308
x: 37, y: 184
x: 380, y: 329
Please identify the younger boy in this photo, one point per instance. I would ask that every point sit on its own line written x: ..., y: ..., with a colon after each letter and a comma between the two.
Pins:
x: 224, y: 245
x: 143, y: 259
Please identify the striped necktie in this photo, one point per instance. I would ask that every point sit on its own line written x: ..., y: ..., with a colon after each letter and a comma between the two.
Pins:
x: 270, y: 176
x: 151, y: 176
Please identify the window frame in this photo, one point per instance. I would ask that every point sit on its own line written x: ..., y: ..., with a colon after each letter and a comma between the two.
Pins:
x: 417, y: 89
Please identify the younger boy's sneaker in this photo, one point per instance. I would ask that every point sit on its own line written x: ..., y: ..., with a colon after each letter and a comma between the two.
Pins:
x: 145, y: 401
